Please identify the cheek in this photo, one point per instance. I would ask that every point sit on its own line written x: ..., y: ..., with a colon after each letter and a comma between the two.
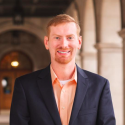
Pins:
x: 75, y: 45
x: 52, y: 48
x: 53, y: 44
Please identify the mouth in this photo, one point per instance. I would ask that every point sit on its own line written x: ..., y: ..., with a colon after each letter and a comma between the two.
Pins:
x: 63, y: 52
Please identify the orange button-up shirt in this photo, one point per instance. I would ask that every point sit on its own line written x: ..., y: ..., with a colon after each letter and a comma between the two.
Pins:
x: 64, y: 95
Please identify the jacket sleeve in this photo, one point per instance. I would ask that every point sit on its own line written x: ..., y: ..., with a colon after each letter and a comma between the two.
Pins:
x: 19, y: 114
x: 105, y: 112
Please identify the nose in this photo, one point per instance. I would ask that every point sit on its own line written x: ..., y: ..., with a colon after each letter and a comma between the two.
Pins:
x: 64, y: 43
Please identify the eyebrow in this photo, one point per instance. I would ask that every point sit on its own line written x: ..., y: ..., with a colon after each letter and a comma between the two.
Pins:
x: 55, y: 35
x: 66, y: 35
x: 70, y: 35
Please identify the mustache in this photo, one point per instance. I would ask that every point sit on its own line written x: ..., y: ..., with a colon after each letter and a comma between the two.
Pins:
x: 64, y: 48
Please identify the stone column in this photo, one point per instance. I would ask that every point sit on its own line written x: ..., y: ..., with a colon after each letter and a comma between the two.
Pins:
x: 122, y: 34
x: 110, y: 66
x: 89, y: 61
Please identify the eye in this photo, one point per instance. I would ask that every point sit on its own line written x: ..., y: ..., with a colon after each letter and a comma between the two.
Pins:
x: 57, y: 37
x: 70, y: 38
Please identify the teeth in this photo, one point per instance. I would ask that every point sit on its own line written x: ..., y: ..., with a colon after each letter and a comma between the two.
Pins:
x: 63, y: 52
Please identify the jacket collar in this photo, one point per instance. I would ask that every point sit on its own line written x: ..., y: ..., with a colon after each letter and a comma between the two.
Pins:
x: 45, y: 85
x: 81, y: 89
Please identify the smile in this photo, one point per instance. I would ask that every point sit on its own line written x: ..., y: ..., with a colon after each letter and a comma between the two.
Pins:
x: 63, y: 52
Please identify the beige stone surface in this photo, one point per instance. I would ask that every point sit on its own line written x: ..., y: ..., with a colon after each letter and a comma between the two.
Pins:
x: 111, y: 67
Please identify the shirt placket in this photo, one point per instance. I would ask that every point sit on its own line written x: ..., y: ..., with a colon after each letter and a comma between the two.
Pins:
x: 63, y: 105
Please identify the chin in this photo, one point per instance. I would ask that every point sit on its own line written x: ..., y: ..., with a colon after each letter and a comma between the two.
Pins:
x: 63, y: 61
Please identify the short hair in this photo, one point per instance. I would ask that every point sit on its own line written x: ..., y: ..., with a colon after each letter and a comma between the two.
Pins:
x: 62, y: 18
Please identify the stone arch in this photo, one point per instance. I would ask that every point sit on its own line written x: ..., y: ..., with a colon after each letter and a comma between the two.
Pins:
x: 89, y: 27
x: 98, y: 11
x: 89, y: 53
x: 28, y: 27
x: 34, y: 50
x: 110, y: 21
x: 78, y: 11
x: 28, y: 66
x: 80, y: 6
x: 73, y: 11
x: 30, y: 55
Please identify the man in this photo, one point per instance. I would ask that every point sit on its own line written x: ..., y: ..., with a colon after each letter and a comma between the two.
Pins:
x: 62, y: 93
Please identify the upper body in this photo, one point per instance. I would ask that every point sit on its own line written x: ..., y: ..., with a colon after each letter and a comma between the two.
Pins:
x: 34, y: 99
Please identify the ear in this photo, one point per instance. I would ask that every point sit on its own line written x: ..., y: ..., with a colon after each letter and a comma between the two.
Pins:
x: 46, y: 40
x: 80, y: 42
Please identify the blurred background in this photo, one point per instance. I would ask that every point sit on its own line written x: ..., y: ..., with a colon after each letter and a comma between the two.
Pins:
x: 22, y: 30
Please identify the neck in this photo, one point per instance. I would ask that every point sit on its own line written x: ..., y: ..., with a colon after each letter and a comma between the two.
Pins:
x: 64, y: 71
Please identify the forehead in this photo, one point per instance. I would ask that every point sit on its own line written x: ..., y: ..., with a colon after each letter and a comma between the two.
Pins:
x: 63, y: 28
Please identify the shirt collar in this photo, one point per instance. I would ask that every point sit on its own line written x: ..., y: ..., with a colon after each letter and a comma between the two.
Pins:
x: 54, y: 76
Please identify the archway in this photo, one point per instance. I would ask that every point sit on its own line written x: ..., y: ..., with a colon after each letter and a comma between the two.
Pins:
x: 12, y: 65
x: 30, y: 49
x: 27, y: 27
x: 20, y: 40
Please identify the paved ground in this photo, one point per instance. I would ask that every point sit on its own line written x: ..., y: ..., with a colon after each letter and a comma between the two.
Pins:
x: 4, y: 124
x: 4, y: 117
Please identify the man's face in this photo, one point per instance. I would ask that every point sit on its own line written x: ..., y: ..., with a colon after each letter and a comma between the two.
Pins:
x: 63, y: 43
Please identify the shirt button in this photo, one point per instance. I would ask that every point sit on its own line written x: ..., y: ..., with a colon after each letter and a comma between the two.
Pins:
x: 63, y: 107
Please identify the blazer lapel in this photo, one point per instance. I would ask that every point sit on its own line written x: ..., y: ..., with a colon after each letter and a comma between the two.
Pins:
x: 46, y: 89
x: 82, y: 86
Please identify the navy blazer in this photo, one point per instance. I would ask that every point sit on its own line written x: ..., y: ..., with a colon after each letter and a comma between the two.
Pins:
x: 34, y: 103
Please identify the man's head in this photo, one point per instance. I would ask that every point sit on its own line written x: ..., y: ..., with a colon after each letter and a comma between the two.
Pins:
x: 60, y: 19
x: 62, y: 39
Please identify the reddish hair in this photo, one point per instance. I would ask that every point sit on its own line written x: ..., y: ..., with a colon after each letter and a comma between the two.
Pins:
x: 62, y: 18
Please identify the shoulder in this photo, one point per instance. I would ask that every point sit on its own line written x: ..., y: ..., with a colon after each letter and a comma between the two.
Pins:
x: 96, y: 82
x: 31, y: 77
x: 88, y: 74
x: 94, y: 79
x: 94, y: 76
